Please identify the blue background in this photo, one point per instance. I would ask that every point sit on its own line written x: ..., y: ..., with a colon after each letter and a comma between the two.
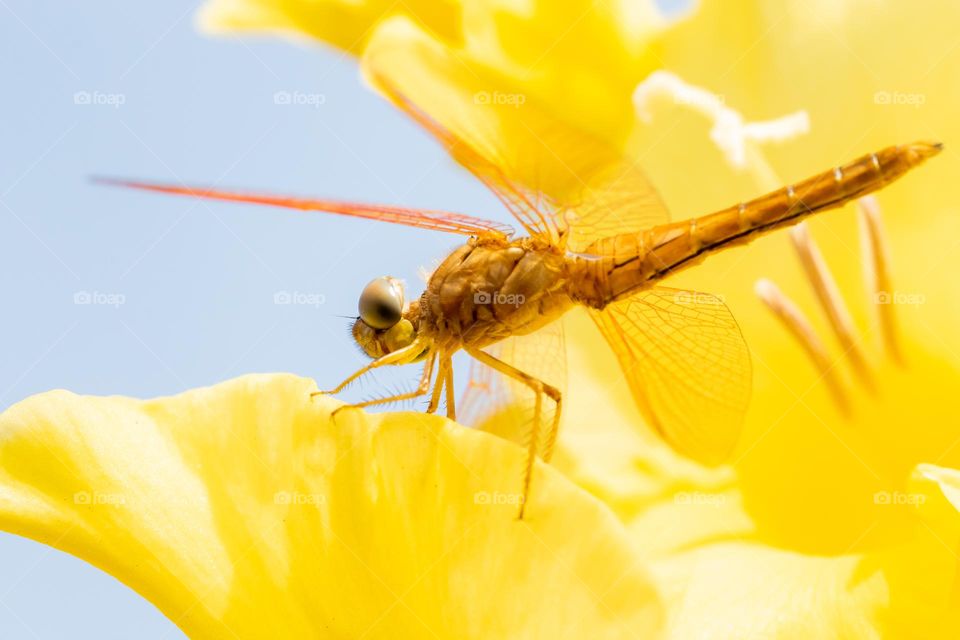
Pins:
x: 197, y: 281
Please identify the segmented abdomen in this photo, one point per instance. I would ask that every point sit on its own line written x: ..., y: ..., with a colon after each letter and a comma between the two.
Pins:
x: 615, y: 267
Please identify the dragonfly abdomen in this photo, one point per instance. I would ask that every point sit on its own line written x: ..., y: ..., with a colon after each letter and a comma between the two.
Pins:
x: 618, y: 266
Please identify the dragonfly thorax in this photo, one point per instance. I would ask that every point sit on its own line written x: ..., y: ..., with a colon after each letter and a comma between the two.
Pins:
x: 490, y: 289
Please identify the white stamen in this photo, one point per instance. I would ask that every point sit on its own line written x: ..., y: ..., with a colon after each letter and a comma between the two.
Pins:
x: 730, y: 132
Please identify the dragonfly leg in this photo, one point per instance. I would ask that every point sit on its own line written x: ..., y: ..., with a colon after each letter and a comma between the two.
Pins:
x: 400, y: 356
x: 422, y: 388
x: 551, y: 439
x: 438, y: 385
x: 451, y: 396
x: 540, y: 388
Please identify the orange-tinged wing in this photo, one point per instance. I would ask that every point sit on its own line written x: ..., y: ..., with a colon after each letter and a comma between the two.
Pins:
x: 687, y: 365
x: 524, y: 203
x: 550, y: 174
x: 503, y: 406
x: 618, y: 199
x: 421, y: 218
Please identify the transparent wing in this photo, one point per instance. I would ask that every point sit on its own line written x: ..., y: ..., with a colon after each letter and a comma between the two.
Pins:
x: 421, y: 218
x: 524, y: 203
x: 617, y: 200
x: 550, y: 174
x: 501, y: 405
x: 687, y: 365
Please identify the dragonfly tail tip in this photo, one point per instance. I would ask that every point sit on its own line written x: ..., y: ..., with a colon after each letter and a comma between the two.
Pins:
x: 926, y: 148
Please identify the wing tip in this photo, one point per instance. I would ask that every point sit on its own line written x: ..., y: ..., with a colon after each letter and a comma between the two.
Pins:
x: 105, y: 180
x: 127, y: 183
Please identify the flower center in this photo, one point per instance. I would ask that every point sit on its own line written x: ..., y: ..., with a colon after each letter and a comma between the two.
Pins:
x: 854, y: 462
x: 876, y: 270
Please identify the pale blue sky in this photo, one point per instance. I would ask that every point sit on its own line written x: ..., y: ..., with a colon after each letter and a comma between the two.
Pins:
x: 196, y: 282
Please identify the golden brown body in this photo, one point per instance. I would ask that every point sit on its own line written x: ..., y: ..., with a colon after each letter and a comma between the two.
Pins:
x: 616, y: 267
x: 689, y: 369
x: 492, y: 288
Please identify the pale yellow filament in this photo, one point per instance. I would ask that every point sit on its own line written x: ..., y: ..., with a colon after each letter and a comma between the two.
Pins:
x: 800, y: 328
x: 828, y: 294
x: 876, y: 267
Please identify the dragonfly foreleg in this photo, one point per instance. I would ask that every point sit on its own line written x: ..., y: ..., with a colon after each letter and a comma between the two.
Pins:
x: 400, y: 356
x: 539, y: 388
x: 422, y: 388
x: 444, y: 381
x: 448, y: 383
x: 438, y: 385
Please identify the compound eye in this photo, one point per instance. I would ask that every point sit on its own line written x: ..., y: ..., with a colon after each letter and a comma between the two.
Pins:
x: 381, y: 303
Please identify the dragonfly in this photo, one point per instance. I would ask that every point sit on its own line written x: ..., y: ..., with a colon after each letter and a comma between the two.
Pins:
x: 595, y: 235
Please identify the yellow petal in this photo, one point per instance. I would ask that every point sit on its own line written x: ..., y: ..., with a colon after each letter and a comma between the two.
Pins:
x: 728, y: 569
x: 826, y: 559
x: 838, y: 469
x: 748, y: 590
x: 582, y: 58
x: 243, y: 510
x: 869, y: 74
x: 346, y: 24
x: 534, y: 49
x: 800, y: 461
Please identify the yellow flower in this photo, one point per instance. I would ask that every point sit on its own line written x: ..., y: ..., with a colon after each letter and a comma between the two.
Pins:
x: 346, y: 24
x: 534, y: 50
x: 868, y: 74
x: 243, y: 511
x: 821, y: 528
x: 825, y: 500
x: 811, y: 479
x: 794, y: 539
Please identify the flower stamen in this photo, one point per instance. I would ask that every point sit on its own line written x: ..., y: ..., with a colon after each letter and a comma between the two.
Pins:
x: 796, y: 323
x: 738, y: 139
x: 831, y: 301
x: 876, y: 268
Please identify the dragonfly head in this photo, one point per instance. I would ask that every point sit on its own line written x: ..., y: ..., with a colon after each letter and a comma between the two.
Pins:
x: 384, y: 324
